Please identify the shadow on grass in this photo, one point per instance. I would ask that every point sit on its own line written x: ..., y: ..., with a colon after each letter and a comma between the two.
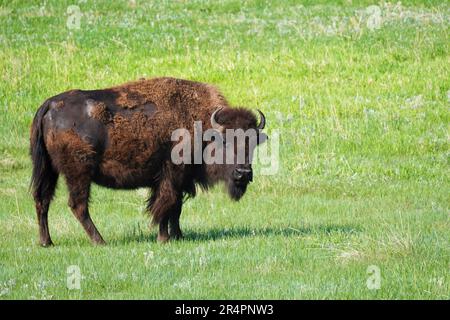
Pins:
x: 138, y: 235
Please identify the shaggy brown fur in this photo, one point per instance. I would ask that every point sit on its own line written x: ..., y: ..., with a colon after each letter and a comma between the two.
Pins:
x: 121, y: 138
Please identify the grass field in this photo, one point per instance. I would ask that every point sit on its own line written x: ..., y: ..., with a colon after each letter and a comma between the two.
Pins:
x: 359, y: 92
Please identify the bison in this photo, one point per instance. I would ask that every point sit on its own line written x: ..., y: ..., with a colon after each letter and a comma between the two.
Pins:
x: 121, y: 138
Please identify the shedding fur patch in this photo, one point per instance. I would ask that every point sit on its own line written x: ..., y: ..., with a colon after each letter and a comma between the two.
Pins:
x: 130, y: 99
x: 69, y: 153
x: 98, y: 110
x: 57, y: 104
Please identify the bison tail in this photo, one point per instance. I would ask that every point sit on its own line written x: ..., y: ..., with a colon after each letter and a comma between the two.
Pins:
x: 42, y: 167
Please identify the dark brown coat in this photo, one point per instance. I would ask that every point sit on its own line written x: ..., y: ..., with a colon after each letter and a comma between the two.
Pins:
x: 120, y: 137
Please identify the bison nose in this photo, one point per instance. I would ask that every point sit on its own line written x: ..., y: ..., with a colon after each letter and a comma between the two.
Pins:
x: 243, y: 174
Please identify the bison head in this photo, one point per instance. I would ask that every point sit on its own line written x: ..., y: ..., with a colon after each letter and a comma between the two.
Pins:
x: 238, y: 133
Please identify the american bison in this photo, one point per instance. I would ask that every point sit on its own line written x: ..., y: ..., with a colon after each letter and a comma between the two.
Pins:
x: 121, y: 138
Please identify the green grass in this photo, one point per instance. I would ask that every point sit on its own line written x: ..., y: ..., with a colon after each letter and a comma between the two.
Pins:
x: 363, y: 116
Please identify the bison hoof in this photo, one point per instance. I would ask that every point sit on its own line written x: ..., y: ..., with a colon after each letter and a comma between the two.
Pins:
x: 163, y: 238
x: 46, y: 244
x: 100, y: 242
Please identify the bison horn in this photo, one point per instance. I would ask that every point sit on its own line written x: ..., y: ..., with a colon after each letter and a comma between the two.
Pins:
x: 262, y: 123
x: 214, y: 123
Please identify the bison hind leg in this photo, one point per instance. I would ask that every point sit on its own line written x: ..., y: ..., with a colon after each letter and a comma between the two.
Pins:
x: 79, y: 190
x: 43, y: 195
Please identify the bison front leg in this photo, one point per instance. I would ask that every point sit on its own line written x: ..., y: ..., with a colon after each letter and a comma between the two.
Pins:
x: 169, y: 227
x: 174, y: 220
x: 165, y: 206
x: 163, y: 233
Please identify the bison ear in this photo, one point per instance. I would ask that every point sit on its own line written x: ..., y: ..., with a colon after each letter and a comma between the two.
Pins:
x: 262, y: 137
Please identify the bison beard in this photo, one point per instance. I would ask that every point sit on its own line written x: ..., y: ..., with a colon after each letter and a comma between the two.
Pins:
x: 120, y: 138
